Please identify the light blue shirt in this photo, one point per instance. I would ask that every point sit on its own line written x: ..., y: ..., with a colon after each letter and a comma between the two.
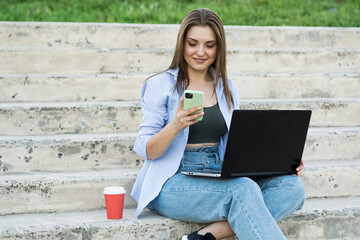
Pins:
x: 159, y: 102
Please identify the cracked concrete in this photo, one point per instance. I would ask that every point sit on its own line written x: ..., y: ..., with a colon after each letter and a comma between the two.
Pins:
x: 124, y: 87
x: 68, y: 153
x: 32, y: 119
x: 70, y: 191
x: 325, y: 112
x: 125, y: 35
x: 65, y: 118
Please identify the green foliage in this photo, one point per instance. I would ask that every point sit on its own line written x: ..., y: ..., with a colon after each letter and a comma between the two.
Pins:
x: 334, y: 13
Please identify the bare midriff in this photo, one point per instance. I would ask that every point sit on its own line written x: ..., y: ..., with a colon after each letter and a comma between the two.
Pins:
x: 199, y: 145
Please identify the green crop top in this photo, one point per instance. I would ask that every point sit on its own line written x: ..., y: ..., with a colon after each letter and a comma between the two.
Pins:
x: 210, y: 129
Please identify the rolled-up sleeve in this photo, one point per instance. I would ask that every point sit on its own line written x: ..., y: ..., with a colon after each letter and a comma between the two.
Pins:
x: 154, y: 113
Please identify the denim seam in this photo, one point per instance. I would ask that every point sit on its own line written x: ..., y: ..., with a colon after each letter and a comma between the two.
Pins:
x: 247, y: 216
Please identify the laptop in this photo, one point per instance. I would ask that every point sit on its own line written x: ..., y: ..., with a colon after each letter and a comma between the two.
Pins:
x: 263, y: 143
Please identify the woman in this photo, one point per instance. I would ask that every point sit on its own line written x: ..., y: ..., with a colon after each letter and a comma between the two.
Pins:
x: 171, y: 140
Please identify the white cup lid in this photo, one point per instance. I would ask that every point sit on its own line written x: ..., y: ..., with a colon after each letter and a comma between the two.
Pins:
x: 114, y: 190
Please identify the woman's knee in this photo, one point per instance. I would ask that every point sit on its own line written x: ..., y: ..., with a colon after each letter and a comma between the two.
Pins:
x: 288, y: 182
x: 295, y: 189
x: 297, y: 185
x: 289, y: 187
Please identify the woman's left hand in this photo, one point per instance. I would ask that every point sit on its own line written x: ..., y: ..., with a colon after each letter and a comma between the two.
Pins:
x: 300, y: 168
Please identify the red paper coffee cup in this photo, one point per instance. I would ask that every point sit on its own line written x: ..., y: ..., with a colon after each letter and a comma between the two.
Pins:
x: 114, y: 201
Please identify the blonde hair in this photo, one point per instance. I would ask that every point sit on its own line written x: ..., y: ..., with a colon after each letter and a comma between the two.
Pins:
x: 202, y: 17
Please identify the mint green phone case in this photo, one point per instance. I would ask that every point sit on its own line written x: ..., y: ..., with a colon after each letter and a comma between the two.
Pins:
x: 196, y: 100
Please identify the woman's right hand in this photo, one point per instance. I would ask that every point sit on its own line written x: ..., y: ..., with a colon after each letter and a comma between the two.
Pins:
x: 183, y: 118
x: 160, y: 142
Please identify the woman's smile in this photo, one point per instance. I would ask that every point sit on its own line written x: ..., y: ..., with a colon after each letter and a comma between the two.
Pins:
x: 199, y: 60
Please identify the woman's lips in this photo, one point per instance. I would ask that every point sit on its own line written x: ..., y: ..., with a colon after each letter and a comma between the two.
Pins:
x: 199, y: 60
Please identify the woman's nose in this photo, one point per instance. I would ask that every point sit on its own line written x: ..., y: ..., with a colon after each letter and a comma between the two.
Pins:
x: 201, y: 51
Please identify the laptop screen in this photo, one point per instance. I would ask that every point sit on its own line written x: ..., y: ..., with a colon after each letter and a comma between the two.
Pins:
x: 265, y: 142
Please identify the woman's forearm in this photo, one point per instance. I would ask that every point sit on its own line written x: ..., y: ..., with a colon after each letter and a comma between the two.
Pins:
x: 160, y: 142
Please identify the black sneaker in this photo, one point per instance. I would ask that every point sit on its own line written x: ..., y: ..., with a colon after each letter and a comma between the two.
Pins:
x: 196, y: 236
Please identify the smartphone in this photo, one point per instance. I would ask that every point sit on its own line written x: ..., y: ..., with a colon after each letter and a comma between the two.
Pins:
x: 192, y: 99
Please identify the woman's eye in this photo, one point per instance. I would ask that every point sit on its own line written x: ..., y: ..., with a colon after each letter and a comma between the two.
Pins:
x: 210, y: 46
x: 192, y: 44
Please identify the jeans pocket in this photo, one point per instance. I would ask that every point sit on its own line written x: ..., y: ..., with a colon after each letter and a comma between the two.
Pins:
x: 192, y: 161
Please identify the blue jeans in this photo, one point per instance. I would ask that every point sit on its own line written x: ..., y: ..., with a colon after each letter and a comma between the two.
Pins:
x: 251, y: 207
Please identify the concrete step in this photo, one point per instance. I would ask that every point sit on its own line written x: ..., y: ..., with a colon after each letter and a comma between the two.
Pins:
x: 69, y: 117
x: 126, y: 87
x: 110, y: 35
x: 68, y: 152
x: 325, y: 112
x: 334, y: 218
x: 117, y: 117
x: 31, y: 60
x: 332, y: 178
x: 71, y: 87
x: 64, y: 191
x: 332, y: 144
x: 295, y: 86
x: 20, y: 154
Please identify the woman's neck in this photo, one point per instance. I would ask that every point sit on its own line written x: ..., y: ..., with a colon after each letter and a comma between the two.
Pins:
x: 197, y: 76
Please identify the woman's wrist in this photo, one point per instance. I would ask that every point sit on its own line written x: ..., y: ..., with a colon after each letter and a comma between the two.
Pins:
x: 172, y: 128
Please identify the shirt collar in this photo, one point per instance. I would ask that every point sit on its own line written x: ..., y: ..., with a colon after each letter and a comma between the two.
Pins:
x: 174, y: 72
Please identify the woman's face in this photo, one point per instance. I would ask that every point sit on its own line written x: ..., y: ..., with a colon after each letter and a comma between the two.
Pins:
x: 200, y: 48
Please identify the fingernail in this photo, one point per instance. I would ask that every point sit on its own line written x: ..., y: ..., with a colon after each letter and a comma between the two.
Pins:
x: 199, y: 108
